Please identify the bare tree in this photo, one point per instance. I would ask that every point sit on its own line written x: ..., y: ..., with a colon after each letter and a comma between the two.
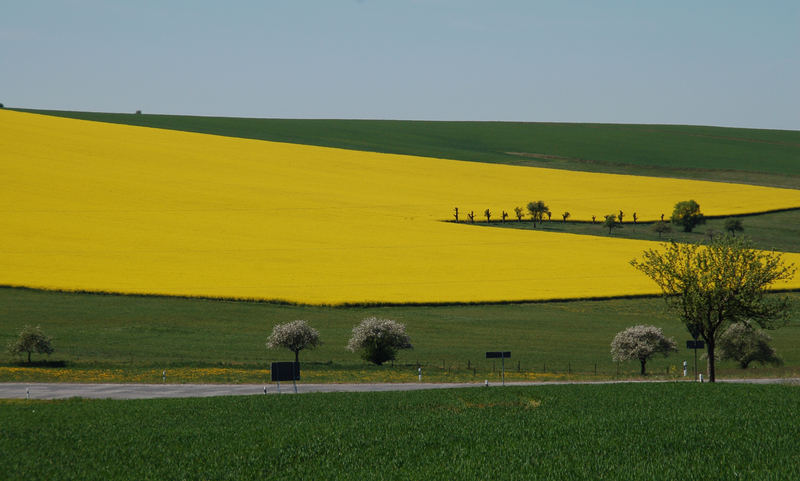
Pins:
x: 488, y: 215
x: 564, y: 217
x: 518, y: 212
x: 456, y: 213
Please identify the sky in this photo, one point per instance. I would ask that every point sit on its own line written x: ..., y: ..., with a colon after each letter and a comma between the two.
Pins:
x: 710, y: 62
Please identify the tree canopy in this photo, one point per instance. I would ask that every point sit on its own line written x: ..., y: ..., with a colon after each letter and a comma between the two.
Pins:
x: 537, y: 211
x: 687, y: 215
x: 733, y: 225
x: 611, y: 222
x: 661, y: 227
x: 378, y: 340
x: 294, y: 336
x: 30, y: 340
x: 745, y: 344
x: 641, y: 343
x: 716, y: 285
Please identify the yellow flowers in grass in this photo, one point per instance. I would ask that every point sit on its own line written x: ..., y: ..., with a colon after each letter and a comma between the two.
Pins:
x: 107, y: 207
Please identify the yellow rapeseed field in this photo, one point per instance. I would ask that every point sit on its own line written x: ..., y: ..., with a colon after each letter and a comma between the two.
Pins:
x: 104, y: 207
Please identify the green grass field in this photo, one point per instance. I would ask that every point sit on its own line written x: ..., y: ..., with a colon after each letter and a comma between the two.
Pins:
x: 773, y: 231
x: 767, y: 157
x: 135, y: 336
x: 624, y: 432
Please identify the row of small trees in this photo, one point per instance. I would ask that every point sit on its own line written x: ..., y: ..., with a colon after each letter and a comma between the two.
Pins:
x: 376, y: 340
x: 536, y: 210
x: 686, y: 215
x: 741, y: 342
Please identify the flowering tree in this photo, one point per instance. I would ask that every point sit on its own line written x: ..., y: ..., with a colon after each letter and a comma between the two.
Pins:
x: 745, y: 344
x: 642, y: 343
x: 378, y: 340
x: 294, y: 336
x: 30, y: 340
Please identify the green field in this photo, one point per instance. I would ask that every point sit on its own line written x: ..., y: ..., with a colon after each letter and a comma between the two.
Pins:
x: 141, y: 335
x: 767, y: 157
x: 624, y: 432
x: 773, y: 231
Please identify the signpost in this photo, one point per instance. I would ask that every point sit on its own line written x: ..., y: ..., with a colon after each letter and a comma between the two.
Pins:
x: 695, y: 332
x: 695, y: 345
x: 502, y: 355
x: 285, y: 371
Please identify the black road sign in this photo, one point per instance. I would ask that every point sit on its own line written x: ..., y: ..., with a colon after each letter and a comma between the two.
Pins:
x: 695, y: 345
x: 285, y: 371
x: 498, y: 354
x: 694, y: 331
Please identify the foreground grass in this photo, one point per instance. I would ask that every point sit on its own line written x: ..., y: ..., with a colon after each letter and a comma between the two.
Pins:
x: 625, y: 432
x: 764, y: 157
x: 105, y: 338
x: 778, y: 231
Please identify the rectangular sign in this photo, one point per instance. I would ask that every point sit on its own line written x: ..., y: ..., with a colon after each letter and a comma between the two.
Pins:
x: 285, y: 371
x: 695, y: 345
x: 498, y: 354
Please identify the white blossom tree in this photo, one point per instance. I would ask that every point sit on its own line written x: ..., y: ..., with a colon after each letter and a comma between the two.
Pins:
x: 378, y: 340
x: 641, y: 343
x: 746, y: 344
x: 294, y: 336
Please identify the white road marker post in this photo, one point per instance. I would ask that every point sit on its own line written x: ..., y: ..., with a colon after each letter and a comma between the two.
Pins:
x: 419, y: 372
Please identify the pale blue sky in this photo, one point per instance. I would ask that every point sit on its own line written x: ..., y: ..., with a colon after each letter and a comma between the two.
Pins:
x: 709, y: 62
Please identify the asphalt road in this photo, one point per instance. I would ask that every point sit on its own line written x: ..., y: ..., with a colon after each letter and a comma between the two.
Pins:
x: 16, y: 390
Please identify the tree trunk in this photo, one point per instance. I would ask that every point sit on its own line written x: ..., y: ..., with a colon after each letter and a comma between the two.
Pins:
x: 643, y: 361
x: 29, y: 357
x: 712, y: 362
x: 297, y: 356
